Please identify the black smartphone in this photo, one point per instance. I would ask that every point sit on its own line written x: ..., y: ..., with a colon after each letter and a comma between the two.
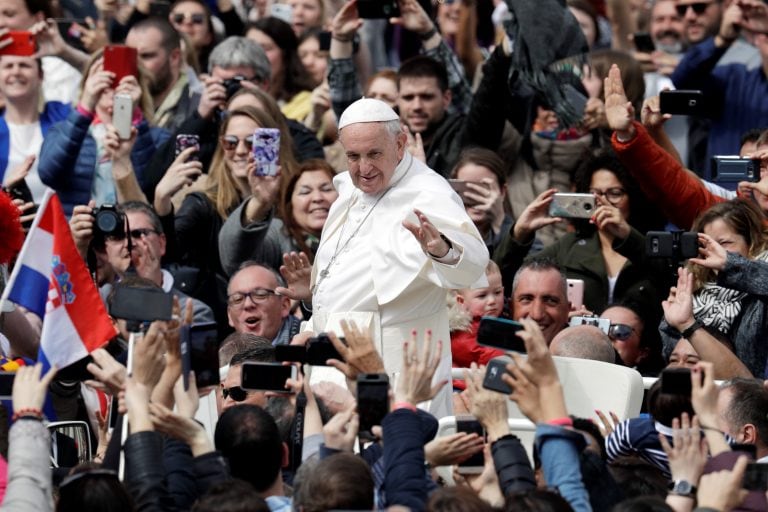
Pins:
x: 141, y: 304
x: 372, y: 401
x: 200, y: 353
x: 500, y: 333
x: 113, y: 414
x: 267, y: 376
x: 682, y: 103
x: 493, y: 372
x: 6, y: 385
x: 291, y: 353
x: 756, y: 477
x: 733, y: 169
x: 324, y: 38
x: 644, y: 42
x: 679, y: 245
x: 475, y: 463
x: 187, y: 140
x: 378, y: 9
x: 320, y: 349
x: 676, y: 381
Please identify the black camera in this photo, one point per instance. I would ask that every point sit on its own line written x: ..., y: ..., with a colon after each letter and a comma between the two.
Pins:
x: 678, y: 245
x: 232, y: 85
x: 108, y: 221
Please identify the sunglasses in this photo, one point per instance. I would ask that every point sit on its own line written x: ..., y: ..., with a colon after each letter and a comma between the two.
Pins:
x: 230, y: 142
x: 237, y: 393
x: 134, y: 233
x: 620, y: 332
x: 196, y: 18
x: 698, y: 8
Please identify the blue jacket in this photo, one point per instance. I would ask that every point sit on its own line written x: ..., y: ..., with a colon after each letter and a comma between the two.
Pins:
x: 737, y: 96
x: 559, y: 450
x: 68, y: 157
x: 53, y: 112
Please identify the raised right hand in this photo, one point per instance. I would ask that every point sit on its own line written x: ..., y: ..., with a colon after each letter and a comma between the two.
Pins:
x: 535, y: 216
x: 346, y: 22
x: 214, y: 96
x: 182, y: 173
x: 97, y: 82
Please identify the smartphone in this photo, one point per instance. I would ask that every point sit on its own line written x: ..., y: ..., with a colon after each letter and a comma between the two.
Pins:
x: 6, y: 385
x: 576, y: 99
x: 200, y: 353
x: 474, y: 464
x: 682, y: 103
x: 676, y: 381
x: 188, y: 140
x: 141, y: 304
x: 113, y: 414
x: 122, y: 115
x: 576, y: 293
x: 755, y: 477
x: 122, y: 61
x: 644, y: 42
x: 159, y: 9
x: 572, y: 206
x: 733, y: 169
x: 282, y: 12
x: 22, y: 44
x: 500, y: 333
x: 267, y: 376
x: 372, y: 401
x: 679, y: 245
x: 320, y: 349
x: 493, y: 372
x: 291, y: 353
x: 266, y: 151
x: 324, y: 38
x: 460, y: 186
x: 377, y: 9
x: 601, y: 323
x: 70, y: 31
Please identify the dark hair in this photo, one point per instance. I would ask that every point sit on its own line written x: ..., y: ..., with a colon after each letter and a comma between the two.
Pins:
x: 665, y: 407
x: 248, y: 438
x: 231, y: 496
x: 170, y: 39
x: 142, y: 207
x: 239, y: 342
x: 90, y: 489
x: 486, y: 158
x: 588, y: 426
x: 748, y: 405
x: 423, y: 67
x: 643, y: 216
x: 600, y: 62
x: 295, y: 76
x: 643, y: 504
x: 753, y: 135
x: 342, y: 481
x: 44, y: 6
x: 283, y: 412
x: 638, y: 477
x: 541, y: 265
x: 286, y: 207
x: 647, y: 311
x: 538, y: 500
x: 262, y: 352
x: 131, y: 281
x: 456, y: 499
x: 587, y: 8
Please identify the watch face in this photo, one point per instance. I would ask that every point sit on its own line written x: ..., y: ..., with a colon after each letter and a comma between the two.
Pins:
x: 683, y: 487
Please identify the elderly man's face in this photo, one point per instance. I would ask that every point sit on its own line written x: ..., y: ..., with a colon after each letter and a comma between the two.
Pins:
x: 260, y: 316
x: 372, y: 155
x: 667, y: 26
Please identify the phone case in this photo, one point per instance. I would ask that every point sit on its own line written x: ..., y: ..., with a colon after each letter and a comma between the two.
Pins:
x: 122, y: 113
x: 122, y: 61
x: 377, y: 9
x: 266, y: 151
x: 184, y: 141
x: 576, y: 293
x: 572, y: 206
x: 493, y: 372
x: 22, y: 44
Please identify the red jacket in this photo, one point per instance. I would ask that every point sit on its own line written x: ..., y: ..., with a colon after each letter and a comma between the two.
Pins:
x: 465, y: 350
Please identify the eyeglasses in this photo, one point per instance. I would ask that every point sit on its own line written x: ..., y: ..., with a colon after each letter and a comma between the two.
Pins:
x: 620, y: 332
x: 698, y: 8
x: 612, y: 195
x: 230, y: 142
x: 237, y: 393
x: 195, y: 18
x: 134, y: 233
x: 259, y: 295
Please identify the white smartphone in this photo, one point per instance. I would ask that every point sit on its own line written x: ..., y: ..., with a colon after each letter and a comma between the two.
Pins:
x: 576, y: 293
x: 122, y: 114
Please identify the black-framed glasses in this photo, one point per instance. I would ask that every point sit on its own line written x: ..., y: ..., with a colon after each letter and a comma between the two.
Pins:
x: 258, y: 295
x: 612, y: 195
x: 230, y: 142
x: 698, y: 8
x: 237, y: 393
x: 134, y: 233
x: 196, y: 18
x: 620, y: 332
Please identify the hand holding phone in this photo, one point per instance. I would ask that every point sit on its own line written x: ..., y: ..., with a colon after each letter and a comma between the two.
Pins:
x: 122, y: 115
x: 122, y: 61
x: 372, y: 401
x: 572, y: 206
x: 682, y: 102
x: 266, y: 151
x: 19, y: 43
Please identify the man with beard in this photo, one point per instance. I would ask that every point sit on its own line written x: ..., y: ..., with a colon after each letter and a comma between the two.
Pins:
x: 159, y: 51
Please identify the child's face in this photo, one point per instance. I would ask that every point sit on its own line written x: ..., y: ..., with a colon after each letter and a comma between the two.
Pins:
x: 485, y: 301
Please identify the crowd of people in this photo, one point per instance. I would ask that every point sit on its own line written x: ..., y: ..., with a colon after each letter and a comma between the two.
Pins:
x: 424, y: 155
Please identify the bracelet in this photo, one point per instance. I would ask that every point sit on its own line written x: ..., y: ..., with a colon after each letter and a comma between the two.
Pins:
x: 404, y: 405
x: 28, y: 413
x: 428, y: 35
x: 688, y: 331
x: 306, y: 306
x: 561, y: 422
x: 81, y: 109
x: 342, y: 39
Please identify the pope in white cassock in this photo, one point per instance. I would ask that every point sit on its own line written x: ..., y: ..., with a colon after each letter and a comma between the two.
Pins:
x: 395, y: 240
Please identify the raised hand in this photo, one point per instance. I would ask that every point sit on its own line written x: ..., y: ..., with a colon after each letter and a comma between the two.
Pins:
x: 678, y: 308
x: 651, y: 116
x: 609, y: 219
x: 297, y: 272
x: 618, y: 109
x: 712, y: 255
x: 359, y: 353
x: 427, y: 235
x: 414, y: 384
x: 535, y: 216
x: 182, y: 173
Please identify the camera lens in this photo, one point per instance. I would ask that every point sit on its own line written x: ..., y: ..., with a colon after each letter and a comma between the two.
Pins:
x: 106, y: 221
x: 587, y: 207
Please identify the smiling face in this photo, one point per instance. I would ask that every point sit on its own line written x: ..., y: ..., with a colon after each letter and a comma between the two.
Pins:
x: 540, y: 296
x: 311, y: 199
x: 191, y: 19
x: 700, y: 26
x: 236, y: 160
x: 422, y: 104
x: 666, y: 26
x: 262, y: 317
x: 20, y: 77
x: 449, y: 17
x: 372, y: 155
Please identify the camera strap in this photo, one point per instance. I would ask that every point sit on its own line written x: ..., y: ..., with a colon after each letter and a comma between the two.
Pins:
x: 297, y: 432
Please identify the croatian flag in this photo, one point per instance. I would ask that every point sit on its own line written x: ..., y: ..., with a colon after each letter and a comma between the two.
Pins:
x: 51, y: 280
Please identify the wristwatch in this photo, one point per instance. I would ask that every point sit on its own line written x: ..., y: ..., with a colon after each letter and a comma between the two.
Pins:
x: 682, y: 488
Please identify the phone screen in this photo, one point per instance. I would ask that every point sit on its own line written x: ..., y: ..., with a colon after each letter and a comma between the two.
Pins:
x: 676, y: 381
x: 200, y: 353
x: 500, y: 333
x: 372, y: 400
x: 470, y: 425
x: 266, y: 376
x: 266, y: 151
x: 141, y: 304
x: 6, y: 384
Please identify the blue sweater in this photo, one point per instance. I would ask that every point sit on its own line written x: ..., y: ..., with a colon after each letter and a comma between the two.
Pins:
x: 53, y: 112
x: 738, y: 96
x: 69, y: 153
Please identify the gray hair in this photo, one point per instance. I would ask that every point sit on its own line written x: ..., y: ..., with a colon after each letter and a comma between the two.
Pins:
x: 583, y: 342
x: 237, y: 51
